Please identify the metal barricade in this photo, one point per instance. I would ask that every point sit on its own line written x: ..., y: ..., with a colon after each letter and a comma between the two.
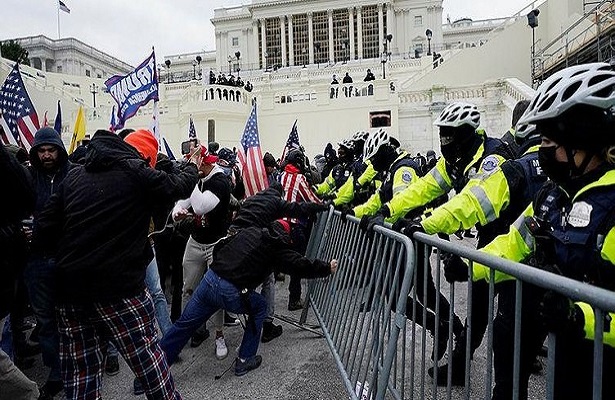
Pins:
x: 369, y: 312
x: 361, y: 308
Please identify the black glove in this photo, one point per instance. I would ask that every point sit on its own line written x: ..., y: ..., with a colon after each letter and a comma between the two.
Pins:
x: 314, y: 208
x: 346, y: 210
x: 367, y: 223
x: 560, y: 315
x: 407, y: 227
x: 455, y: 270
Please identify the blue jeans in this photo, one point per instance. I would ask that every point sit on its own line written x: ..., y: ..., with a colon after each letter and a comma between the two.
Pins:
x: 161, y: 311
x: 40, y: 276
x: 212, y: 294
x: 268, y: 290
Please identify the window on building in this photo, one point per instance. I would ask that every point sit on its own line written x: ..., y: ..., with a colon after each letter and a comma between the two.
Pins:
x: 379, y: 119
x: 274, y: 42
x: 341, y: 35
x: 301, y: 43
x: 418, y: 20
x: 87, y: 72
x: 320, y: 25
x: 371, y: 39
x: 235, y: 41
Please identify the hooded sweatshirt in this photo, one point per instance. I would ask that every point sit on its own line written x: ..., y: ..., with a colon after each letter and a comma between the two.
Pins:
x: 96, y: 224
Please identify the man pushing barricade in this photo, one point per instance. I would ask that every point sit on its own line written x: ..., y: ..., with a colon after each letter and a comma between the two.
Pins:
x: 241, y: 263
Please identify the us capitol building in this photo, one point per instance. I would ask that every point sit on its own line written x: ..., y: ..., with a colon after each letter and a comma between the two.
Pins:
x: 290, y: 50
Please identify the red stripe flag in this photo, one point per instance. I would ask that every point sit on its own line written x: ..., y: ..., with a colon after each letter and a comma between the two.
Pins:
x: 18, y: 117
x: 251, y: 157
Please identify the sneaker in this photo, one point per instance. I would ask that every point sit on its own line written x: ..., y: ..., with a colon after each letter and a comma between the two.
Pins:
x: 270, y: 332
x: 221, y: 349
x: 137, y: 388
x: 295, y: 305
x: 112, y: 366
x: 243, y: 367
x: 199, y: 337
x: 50, y: 389
x: 230, y: 320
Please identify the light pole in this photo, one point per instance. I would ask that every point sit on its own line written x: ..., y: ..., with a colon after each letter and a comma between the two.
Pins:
x: 346, y: 50
x: 94, y: 91
x: 386, y: 54
x: 266, y: 54
x: 229, y: 64
x: 429, y: 34
x: 198, y: 61
x: 168, y: 64
x: 532, y: 21
x: 237, y: 56
x: 194, y: 69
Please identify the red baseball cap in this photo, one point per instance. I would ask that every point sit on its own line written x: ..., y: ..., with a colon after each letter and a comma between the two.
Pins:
x: 207, y: 157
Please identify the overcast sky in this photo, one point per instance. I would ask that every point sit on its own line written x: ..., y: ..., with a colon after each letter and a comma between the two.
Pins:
x: 127, y: 29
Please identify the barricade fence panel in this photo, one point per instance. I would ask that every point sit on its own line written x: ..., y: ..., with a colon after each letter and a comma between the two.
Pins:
x: 391, y: 320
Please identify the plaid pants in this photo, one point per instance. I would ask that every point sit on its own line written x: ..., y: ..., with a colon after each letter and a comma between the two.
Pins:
x: 85, y: 331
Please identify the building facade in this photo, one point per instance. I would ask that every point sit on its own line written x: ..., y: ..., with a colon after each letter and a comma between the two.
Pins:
x: 277, y: 34
x: 71, y: 57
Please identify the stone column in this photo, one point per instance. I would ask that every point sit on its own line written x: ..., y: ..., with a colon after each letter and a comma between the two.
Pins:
x: 331, y: 52
x: 291, y: 41
x: 351, y: 31
x: 310, y: 37
x: 391, y: 27
x: 283, y: 38
x: 264, y: 42
x: 359, y: 33
x: 254, y: 55
x: 380, y: 29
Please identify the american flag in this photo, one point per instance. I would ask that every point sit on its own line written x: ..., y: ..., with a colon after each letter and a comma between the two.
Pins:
x: 251, y: 157
x: 191, y: 130
x: 18, y: 117
x: 292, y: 142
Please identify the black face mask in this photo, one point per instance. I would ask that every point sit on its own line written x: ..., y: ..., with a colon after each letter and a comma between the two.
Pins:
x: 450, y: 152
x: 558, y: 171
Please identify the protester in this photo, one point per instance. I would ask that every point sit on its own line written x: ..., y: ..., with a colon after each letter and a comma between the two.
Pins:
x: 207, y: 206
x: 241, y: 263
x: 49, y: 166
x: 297, y: 188
x: 369, y: 76
x: 18, y: 204
x: 96, y: 226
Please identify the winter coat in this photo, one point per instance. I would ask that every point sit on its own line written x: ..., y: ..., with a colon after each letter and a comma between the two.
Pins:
x: 100, y: 216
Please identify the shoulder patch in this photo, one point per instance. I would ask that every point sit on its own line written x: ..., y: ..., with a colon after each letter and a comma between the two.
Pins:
x: 406, y: 176
x: 490, y: 163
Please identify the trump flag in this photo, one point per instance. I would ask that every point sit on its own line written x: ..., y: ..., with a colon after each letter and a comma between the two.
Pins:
x: 133, y: 90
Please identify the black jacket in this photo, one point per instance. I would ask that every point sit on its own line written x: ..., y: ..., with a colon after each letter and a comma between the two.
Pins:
x: 18, y: 201
x: 247, y: 258
x: 267, y: 205
x: 100, y: 216
x: 47, y: 182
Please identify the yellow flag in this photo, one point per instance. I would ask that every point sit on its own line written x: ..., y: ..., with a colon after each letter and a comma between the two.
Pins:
x: 79, y: 131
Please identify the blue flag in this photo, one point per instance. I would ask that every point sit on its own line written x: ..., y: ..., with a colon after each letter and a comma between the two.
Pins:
x: 167, y: 148
x: 57, y: 124
x: 133, y: 90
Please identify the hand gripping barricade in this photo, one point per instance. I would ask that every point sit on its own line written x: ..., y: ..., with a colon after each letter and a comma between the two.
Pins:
x: 362, y: 313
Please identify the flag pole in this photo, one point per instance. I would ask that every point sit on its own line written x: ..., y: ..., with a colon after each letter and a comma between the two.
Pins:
x: 58, y: 6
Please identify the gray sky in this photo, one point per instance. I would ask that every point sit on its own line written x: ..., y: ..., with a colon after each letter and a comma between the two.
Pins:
x: 127, y: 29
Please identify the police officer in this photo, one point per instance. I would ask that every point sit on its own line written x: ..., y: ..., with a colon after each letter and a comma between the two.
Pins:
x: 400, y: 171
x: 341, y: 172
x: 499, y: 194
x: 570, y: 226
x: 466, y: 153
x: 356, y: 190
